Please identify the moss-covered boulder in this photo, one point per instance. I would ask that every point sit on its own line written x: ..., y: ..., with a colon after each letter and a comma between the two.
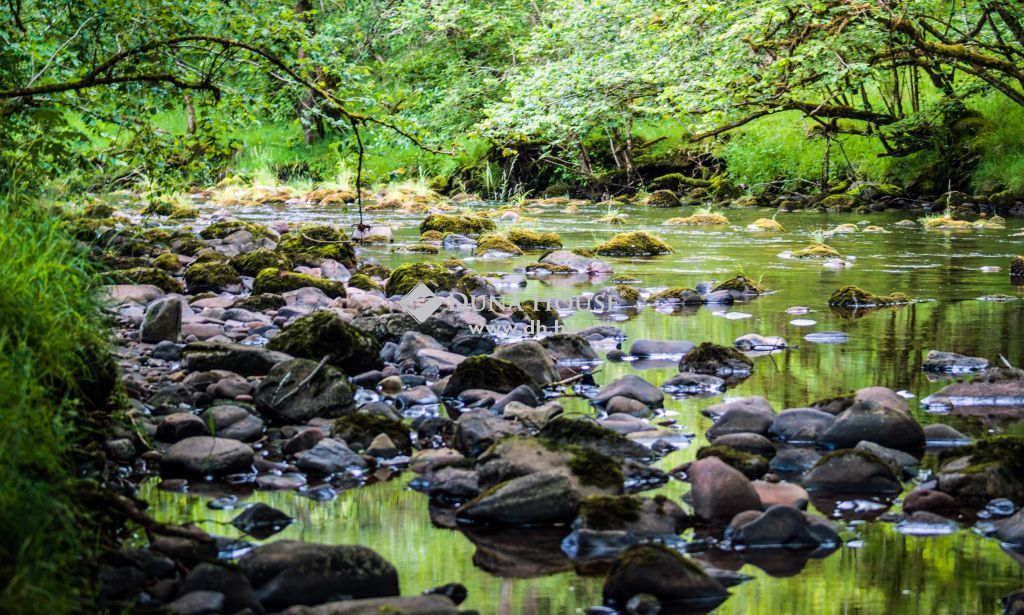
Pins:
x: 251, y: 263
x: 358, y: 431
x: 741, y: 285
x: 278, y: 282
x: 537, y: 311
x: 209, y: 256
x: 855, y: 297
x: 496, y: 243
x: 707, y: 219
x: 220, y: 230
x: 188, y: 245
x: 432, y: 236
x: 488, y: 373
x: 459, y: 224
x: 532, y: 240
x: 422, y: 248
x: 765, y: 225
x: 661, y: 572
x: 715, y: 360
x: 148, y: 275
x: 405, y: 277
x: 213, y: 276
x: 945, y: 223
x: 677, y: 182
x: 308, y: 245
x: 98, y: 210
x: 636, y: 243
x: 662, y: 198
x: 183, y: 213
x: 168, y: 262
x: 260, y: 303
x: 677, y: 295
x: 838, y: 203
x: 363, y: 282
x: 324, y: 334
x: 817, y: 250
x: 586, y: 433
x: 158, y: 207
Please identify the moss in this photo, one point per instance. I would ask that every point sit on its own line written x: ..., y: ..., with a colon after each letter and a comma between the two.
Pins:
x: 251, y: 263
x: 594, y: 469
x: 817, y: 250
x: 432, y: 236
x: 583, y: 433
x: 308, y: 245
x: 945, y: 223
x: 678, y: 294
x: 556, y: 269
x: 765, y: 224
x: 677, y: 181
x: 330, y: 196
x: 209, y: 256
x: 698, y: 220
x: 213, y: 276
x: 324, y: 334
x: 1005, y: 450
x: 636, y: 243
x: 532, y: 240
x: 374, y: 270
x: 158, y: 207
x: 708, y: 358
x: 629, y: 294
x: 542, y: 313
x: 840, y: 401
x: 662, y: 198
x: 873, y: 229
x: 359, y: 430
x: 98, y: 210
x: 363, y: 282
x: 183, y: 213
x: 459, y: 224
x: 742, y: 284
x: 405, y: 277
x: 752, y: 466
x: 853, y: 297
x: 422, y: 248
x: 852, y: 452
x: 167, y: 262
x: 612, y: 219
x: 490, y: 373
x: 497, y: 243
x: 220, y: 230
x: 470, y: 284
x: 838, y: 202
x: 156, y: 234
x: 189, y: 246
x: 988, y: 224
x: 148, y: 275
x: 276, y: 281
x: 610, y: 512
x: 625, y: 279
x: 843, y: 229
x: 261, y: 303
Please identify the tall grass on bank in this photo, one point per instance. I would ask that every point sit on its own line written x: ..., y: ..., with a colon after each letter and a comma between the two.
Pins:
x: 52, y: 345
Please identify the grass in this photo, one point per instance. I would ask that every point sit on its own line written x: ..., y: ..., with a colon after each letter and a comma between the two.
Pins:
x: 51, y: 340
x: 1001, y: 146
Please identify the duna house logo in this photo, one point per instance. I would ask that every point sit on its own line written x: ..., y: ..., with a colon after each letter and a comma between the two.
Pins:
x: 421, y: 302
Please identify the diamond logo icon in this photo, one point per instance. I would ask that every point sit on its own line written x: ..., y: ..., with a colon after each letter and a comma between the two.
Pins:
x: 420, y: 302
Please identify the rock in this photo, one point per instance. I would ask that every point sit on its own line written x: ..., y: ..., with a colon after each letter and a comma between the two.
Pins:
x: 298, y: 390
x: 212, y: 276
x: 930, y: 500
x: 753, y: 342
x: 719, y: 491
x: 533, y: 417
x: 261, y: 521
x: 794, y: 461
x: 630, y: 513
x: 399, y: 605
x: 716, y: 360
x: 586, y: 433
x: 207, y: 456
x: 477, y: 430
x: 693, y: 384
x: 361, y: 429
x: 382, y: 448
x: 532, y: 358
x: 627, y: 405
x: 589, y: 471
x: 754, y: 404
x: 1011, y: 529
x: 752, y: 466
x: 242, y: 360
x: 741, y: 418
x: 302, y: 441
x: 167, y: 351
x: 440, y: 362
x: 180, y: 425
x: 288, y: 572
x: 783, y: 527
x: 852, y: 472
x: 575, y: 263
x: 633, y: 387
x: 880, y: 395
x: 453, y: 484
x: 140, y: 294
x: 871, y: 421
x: 900, y: 462
x: 752, y: 443
x: 663, y: 573
x: 412, y: 342
x: 522, y: 394
x: 940, y: 434
x: 566, y: 348
x: 328, y: 456
x: 543, y: 498
x: 633, y: 243
x: 228, y: 582
x: 785, y: 494
x: 230, y: 386
x: 324, y: 334
x: 198, y: 603
x: 489, y: 373
x: 800, y: 424
x: 994, y: 389
x: 952, y: 363
x: 424, y: 460
x: 162, y: 321
x: 649, y: 348
x: 233, y: 422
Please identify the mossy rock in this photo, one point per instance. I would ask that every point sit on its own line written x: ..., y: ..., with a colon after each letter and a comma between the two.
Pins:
x: 741, y: 284
x: 148, y: 275
x: 324, y: 334
x: 458, y: 224
x: 679, y: 295
x: 251, y: 263
x: 594, y: 469
x: 422, y: 248
x: 629, y: 294
x: 374, y: 270
x: 98, y: 210
x: 870, y: 191
x: 432, y: 236
x: 625, y: 279
x: 532, y: 240
x: 540, y: 312
x: 708, y: 358
x: 945, y: 223
x: 698, y: 220
x: 677, y: 182
x: 817, y: 250
x: 363, y: 282
x: 308, y: 245
x: 662, y: 198
x: 636, y: 243
x: 183, y: 213
x: 168, y: 262
x: 220, y: 230
x: 276, y: 281
x: 752, y: 466
x: 748, y: 200
x: 209, y: 256
x: 260, y: 303
x: 405, y: 277
x: 553, y: 269
x: 766, y: 225
x: 189, y: 246
x: 838, y: 202
x: 855, y: 297
x: 212, y: 276
x: 158, y: 207
x: 610, y: 512
x: 496, y: 243
x: 358, y: 431
x: 588, y: 434
x: 489, y: 373
x: 156, y: 234
x: 1005, y: 450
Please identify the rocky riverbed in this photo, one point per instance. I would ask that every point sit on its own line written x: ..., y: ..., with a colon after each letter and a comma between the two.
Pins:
x: 745, y: 424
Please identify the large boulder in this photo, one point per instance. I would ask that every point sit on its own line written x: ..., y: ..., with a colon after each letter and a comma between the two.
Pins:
x: 719, y: 491
x: 162, y: 321
x: 873, y: 422
x: 716, y: 360
x: 590, y: 471
x: 588, y: 434
x: 532, y: 358
x: 800, y: 424
x: 663, y: 573
x: 290, y: 572
x: 852, y: 472
x: 299, y: 390
x: 488, y: 373
x: 207, y: 456
x: 240, y: 359
x: 324, y: 334
x: 543, y: 498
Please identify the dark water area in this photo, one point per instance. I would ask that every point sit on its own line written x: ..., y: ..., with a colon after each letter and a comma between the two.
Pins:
x: 879, y: 569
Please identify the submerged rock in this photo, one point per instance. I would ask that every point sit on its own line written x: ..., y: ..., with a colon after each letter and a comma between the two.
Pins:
x: 635, y: 243
x: 716, y: 360
x: 952, y: 363
x: 852, y: 471
x: 781, y: 527
x: 663, y: 573
x: 543, y: 498
x: 873, y: 422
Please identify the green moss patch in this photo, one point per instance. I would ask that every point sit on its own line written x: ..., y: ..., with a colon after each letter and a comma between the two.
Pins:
x: 278, y: 282
x: 148, y: 275
x: 636, y: 243
x: 742, y: 284
x: 405, y: 277
x: 251, y: 263
x: 497, y: 243
x: 358, y: 431
x: 610, y: 512
x: 458, y: 224
x: 324, y: 334
x: 532, y: 240
x: 817, y: 250
x: 855, y: 297
x: 308, y: 245
x: 212, y: 276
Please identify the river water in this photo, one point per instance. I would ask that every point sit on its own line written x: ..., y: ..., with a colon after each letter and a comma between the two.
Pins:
x: 878, y: 570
